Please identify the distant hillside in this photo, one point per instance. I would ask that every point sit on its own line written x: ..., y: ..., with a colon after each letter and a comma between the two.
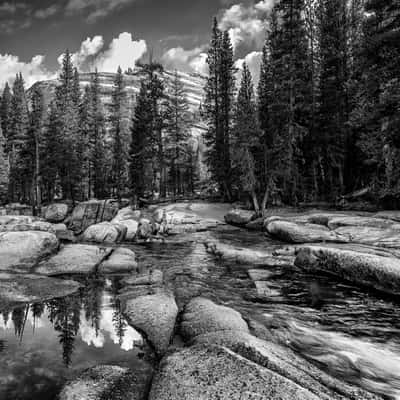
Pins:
x: 194, y: 85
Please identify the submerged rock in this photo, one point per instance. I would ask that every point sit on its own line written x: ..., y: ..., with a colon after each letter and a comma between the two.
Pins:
x: 303, y: 233
x: 20, y: 251
x: 203, y: 316
x: 214, y: 372
x: 106, y: 382
x: 105, y: 232
x: 56, y: 212
x: 148, y: 277
x: 121, y: 260
x: 376, y: 271
x: 16, y: 288
x: 246, y: 255
x: 154, y: 315
x: 74, y: 259
x: 239, y: 217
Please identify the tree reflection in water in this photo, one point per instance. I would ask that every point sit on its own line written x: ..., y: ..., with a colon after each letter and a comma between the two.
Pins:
x: 65, y: 314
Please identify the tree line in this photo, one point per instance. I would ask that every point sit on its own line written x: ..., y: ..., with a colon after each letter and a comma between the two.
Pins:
x: 73, y: 149
x: 323, y: 121
x: 325, y: 118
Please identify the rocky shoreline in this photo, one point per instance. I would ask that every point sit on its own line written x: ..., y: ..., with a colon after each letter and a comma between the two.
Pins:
x: 204, y: 350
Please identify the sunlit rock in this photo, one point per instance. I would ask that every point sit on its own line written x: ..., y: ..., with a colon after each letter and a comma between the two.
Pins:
x: 121, y: 260
x: 376, y: 271
x: 211, y: 372
x: 292, y: 232
x: 56, y: 212
x: 105, y: 232
x: 74, y: 259
x: 20, y: 251
x: 203, y: 316
x: 239, y: 217
x: 154, y: 315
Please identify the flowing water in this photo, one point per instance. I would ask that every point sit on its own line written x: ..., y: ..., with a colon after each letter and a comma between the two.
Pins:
x: 349, y: 332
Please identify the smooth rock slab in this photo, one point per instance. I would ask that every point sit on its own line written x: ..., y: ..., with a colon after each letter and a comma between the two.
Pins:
x: 105, y: 232
x: 56, y: 212
x: 154, y: 315
x: 74, y: 259
x: 378, y: 272
x: 15, y: 288
x: 246, y: 255
x: 216, y: 373
x: 239, y: 217
x: 105, y: 382
x: 204, y: 316
x: 121, y: 260
x: 286, y: 363
x: 292, y: 232
x: 357, y: 221
x: 20, y: 251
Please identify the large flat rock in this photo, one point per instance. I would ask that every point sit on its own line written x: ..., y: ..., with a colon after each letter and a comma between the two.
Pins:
x: 74, y: 259
x: 25, y: 288
x: 214, y: 372
x: 155, y: 316
x: 376, y: 271
x: 284, y: 362
x: 120, y: 261
x: 293, y: 232
x: 20, y: 251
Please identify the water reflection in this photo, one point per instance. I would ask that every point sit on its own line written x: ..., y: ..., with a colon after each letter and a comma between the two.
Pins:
x: 43, y: 344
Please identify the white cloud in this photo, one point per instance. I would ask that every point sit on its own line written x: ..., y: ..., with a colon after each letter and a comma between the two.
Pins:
x: 247, y: 24
x: 253, y: 61
x: 123, y: 51
x: 193, y: 60
x: 32, y: 71
x: 96, y: 9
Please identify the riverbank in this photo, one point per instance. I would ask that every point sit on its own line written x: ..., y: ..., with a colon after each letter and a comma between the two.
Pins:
x: 204, y: 316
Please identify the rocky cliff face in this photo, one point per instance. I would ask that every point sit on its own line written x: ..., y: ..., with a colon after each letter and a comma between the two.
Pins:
x: 193, y: 83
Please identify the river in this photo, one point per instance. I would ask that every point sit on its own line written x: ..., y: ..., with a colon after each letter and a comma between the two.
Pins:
x: 351, y: 333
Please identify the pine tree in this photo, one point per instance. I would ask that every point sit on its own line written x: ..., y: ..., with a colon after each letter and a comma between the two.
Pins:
x: 218, y: 106
x: 141, y: 131
x: 177, y: 133
x: 96, y: 125
x: 290, y: 107
x: 5, y: 110
x: 333, y: 96
x: 32, y: 149
x: 4, y: 169
x: 68, y: 112
x: 246, y: 137
x: 17, y: 137
x: 118, y: 128
x: 377, y: 114
x: 52, y: 144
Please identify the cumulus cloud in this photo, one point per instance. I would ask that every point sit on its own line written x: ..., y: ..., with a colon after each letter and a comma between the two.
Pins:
x: 95, y: 9
x: 32, y: 71
x: 193, y: 60
x: 253, y: 61
x: 247, y: 24
x: 9, y: 7
x: 123, y: 51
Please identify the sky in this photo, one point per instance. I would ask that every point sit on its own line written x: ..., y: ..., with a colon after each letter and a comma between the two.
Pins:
x: 105, y: 34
